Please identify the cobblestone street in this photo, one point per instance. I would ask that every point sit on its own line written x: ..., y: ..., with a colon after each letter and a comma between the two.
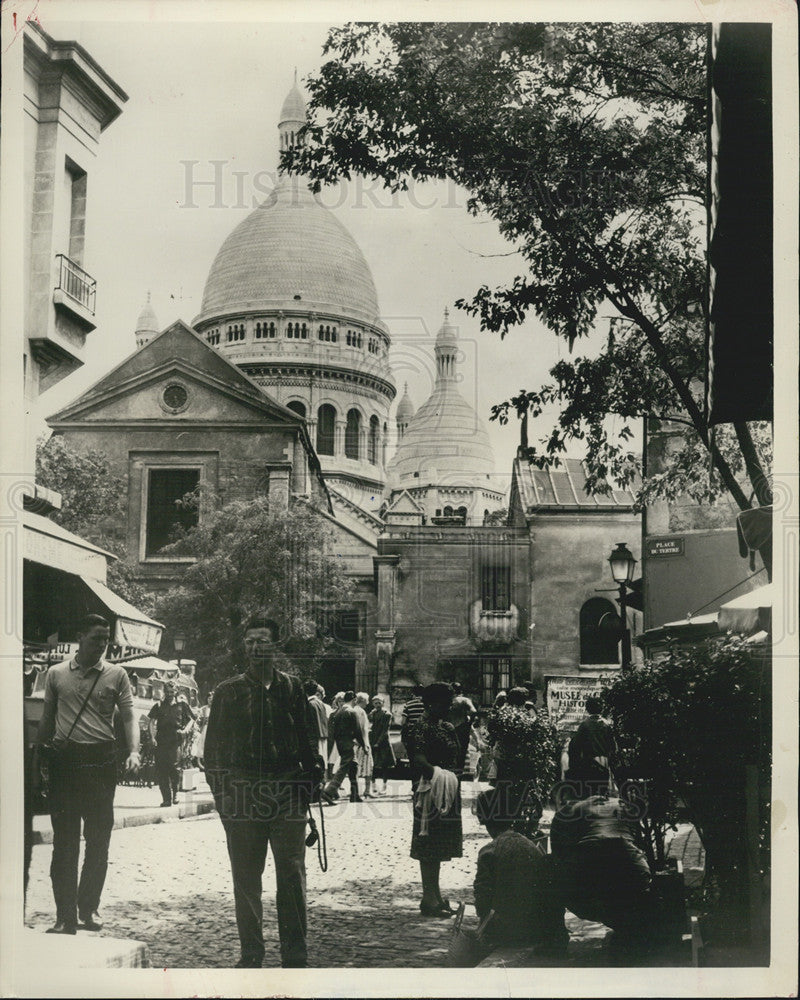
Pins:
x: 169, y: 886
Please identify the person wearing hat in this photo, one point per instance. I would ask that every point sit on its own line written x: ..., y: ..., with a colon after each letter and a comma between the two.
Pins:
x: 514, y: 878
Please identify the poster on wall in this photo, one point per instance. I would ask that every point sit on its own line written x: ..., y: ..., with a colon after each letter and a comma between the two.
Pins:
x: 566, y: 700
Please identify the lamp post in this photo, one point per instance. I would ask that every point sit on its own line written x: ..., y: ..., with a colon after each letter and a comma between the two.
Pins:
x: 178, y: 643
x: 622, y: 566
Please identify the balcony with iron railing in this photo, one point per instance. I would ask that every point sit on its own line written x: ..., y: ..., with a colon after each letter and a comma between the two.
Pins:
x: 75, y: 292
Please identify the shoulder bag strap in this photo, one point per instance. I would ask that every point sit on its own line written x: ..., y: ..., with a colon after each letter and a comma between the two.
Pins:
x: 83, y: 706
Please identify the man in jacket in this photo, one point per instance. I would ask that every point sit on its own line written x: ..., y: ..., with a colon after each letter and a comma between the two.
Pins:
x: 169, y: 721
x: 262, y: 765
x: 344, y: 730
x: 315, y: 696
x: 601, y: 872
x: 592, y: 749
x: 515, y: 879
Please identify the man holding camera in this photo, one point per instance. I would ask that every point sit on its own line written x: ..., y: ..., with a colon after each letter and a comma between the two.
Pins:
x: 263, y: 766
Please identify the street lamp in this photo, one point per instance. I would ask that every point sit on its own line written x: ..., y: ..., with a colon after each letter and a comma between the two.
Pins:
x: 622, y: 566
x: 178, y: 643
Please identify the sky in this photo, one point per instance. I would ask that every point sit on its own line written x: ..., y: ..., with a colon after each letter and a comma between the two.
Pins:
x: 205, y: 92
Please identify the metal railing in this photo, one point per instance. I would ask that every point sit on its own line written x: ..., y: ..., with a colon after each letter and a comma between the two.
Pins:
x: 76, y: 282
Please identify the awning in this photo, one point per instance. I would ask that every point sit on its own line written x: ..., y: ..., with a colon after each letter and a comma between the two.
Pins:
x: 48, y: 543
x: 686, y: 630
x: 133, y: 627
x: 147, y: 666
x: 748, y: 613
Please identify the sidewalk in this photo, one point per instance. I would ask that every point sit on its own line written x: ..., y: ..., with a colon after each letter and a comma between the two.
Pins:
x: 136, y: 806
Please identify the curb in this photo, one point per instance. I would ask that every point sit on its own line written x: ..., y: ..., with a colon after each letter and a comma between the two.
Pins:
x: 149, y: 818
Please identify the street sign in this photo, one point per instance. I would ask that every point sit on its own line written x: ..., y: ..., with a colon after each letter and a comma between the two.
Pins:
x: 661, y: 547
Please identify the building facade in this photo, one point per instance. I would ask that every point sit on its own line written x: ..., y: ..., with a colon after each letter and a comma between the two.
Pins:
x: 291, y: 301
x: 69, y: 100
x: 282, y: 387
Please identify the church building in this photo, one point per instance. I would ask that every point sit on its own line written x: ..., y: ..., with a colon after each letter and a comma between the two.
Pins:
x: 282, y: 386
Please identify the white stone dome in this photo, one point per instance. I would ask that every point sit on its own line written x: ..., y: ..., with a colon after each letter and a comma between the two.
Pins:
x: 445, y: 442
x: 290, y: 252
x: 146, y: 325
x: 294, y: 107
x: 405, y: 408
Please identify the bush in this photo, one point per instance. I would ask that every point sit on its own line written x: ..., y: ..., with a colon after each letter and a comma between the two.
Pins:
x: 528, y: 754
x: 691, y: 724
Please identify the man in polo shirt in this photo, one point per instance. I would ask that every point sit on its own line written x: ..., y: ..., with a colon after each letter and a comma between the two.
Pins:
x: 83, y: 773
x: 262, y: 764
x: 169, y: 723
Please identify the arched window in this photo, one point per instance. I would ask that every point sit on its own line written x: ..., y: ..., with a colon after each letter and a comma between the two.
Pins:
x: 304, y: 332
x: 321, y: 333
x: 448, y: 511
x: 599, y: 631
x: 385, y: 439
x: 374, y: 439
x: 462, y: 513
x: 298, y: 407
x: 352, y: 433
x: 290, y: 330
x: 326, y: 423
x: 334, y: 335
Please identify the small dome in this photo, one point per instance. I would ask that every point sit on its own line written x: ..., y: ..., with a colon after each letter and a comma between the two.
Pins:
x: 146, y: 325
x: 405, y: 408
x: 448, y: 333
x: 294, y: 107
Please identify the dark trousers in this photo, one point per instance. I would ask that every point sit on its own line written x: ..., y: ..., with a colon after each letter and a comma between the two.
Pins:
x: 462, y: 735
x: 83, y: 779
x: 347, y: 768
x: 167, y: 765
x: 247, y: 848
x: 609, y: 882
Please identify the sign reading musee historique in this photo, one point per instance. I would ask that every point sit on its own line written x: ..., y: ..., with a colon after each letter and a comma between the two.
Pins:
x: 566, y: 700
x: 660, y: 547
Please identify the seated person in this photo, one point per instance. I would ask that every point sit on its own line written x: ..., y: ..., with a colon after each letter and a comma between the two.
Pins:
x: 601, y: 873
x: 514, y: 878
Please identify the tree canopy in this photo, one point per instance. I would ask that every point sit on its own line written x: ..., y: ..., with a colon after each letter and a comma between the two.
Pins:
x: 587, y: 144
x: 248, y: 558
x: 94, y: 505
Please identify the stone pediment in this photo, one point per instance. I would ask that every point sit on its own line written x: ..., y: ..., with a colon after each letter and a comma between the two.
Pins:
x: 404, y: 503
x: 176, y: 377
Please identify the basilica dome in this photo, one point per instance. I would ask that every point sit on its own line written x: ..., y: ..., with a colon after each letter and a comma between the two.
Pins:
x: 445, y: 442
x: 290, y: 300
x: 290, y: 252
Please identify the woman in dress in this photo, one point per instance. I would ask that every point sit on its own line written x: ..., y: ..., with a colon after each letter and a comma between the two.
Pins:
x: 434, y: 752
x: 383, y: 759
x: 364, y: 757
x: 199, y: 748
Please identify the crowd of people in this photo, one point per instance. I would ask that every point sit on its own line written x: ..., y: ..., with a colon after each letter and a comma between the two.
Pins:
x: 272, y: 745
